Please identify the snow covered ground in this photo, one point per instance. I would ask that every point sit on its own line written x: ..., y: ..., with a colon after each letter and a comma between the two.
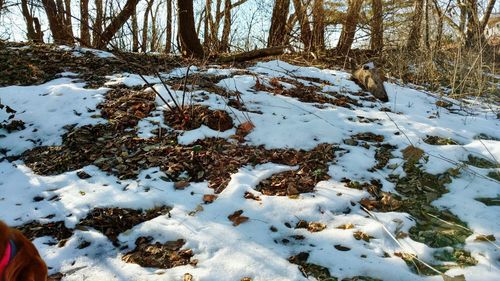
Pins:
x: 260, y: 247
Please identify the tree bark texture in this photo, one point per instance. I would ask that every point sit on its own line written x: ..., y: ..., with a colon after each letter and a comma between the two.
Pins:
x: 415, y: 34
x: 189, y: 42
x: 84, y: 23
x: 377, y: 26
x: 349, y: 29
x: 168, y: 42
x: 318, y: 34
x: 116, y: 23
x: 278, y: 23
x: 305, y: 27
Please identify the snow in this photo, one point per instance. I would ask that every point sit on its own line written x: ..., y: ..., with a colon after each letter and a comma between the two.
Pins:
x: 46, y: 109
x: 226, y: 252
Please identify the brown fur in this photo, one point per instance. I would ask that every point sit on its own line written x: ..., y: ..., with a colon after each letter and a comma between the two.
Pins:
x: 372, y: 80
x: 27, y: 265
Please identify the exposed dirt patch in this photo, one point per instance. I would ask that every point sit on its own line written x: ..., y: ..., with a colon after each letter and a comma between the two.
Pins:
x: 193, y: 117
x: 28, y: 64
x: 113, y: 221
x: 14, y: 125
x: 125, y: 107
x: 158, y: 255
x: 309, y: 269
x: 309, y: 94
x: 313, y: 170
x: 435, y: 140
x: 383, y: 154
x: 481, y: 162
x: 122, y: 153
x: 57, y: 230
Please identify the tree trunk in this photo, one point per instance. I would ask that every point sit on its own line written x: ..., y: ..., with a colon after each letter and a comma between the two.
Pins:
x: 67, y: 20
x: 377, y: 26
x: 440, y: 23
x: 168, y: 43
x: 135, y: 32
x: 349, y: 29
x: 29, y: 20
x: 38, y: 30
x: 318, y: 34
x: 278, y: 23
x: 413, y: 42
x: 55, y: 17
x: 226, y: 30
x: 98, y: 23
x: 206, y: 27
x: 116, y: 23
x: 214, y: 27
x: 426, y: 37
x: 305, y: 28
x: 487, y: 14
x: 84, y: 24
x: 154, y: 29
x: 189, y: 42
x: 144, y: 44
x: 473, y: 35
x: 463, y: 15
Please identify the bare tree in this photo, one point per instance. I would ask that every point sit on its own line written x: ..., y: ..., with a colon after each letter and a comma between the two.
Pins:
x: 135, y: 32
x: 349, y: 27
x: 305, y: 28
x: 224, y: 44
x: 154, y: 28
x: 189, y: 41
x: 377, y: 26
x: 67, y: 18
x: 168, y: 43
x: 56, y: 17
x: 475, y: 27
x: 34, y: 32
x: 98, y: 23
x: 416, y: 26
x: 278, y: 23
x: 145, y: 23
x: 318, y: 34
x: 207, y: 22
x: 116, y: 23
x: 84, y: 23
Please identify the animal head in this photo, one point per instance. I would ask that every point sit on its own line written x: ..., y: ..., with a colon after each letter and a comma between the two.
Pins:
x: 371, y: 79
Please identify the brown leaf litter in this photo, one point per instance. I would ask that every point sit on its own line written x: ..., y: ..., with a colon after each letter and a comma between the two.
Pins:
x: 113, y: 221
x: 159, y: 255
x: 192, y: 117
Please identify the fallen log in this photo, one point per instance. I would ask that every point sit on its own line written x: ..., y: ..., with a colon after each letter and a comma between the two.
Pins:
x: 255, y: 54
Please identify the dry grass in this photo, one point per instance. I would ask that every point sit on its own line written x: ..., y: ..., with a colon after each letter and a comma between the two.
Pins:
x: 455, y: 71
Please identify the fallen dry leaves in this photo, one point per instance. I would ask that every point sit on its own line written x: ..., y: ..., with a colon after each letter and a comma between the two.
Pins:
x: 237, y: 218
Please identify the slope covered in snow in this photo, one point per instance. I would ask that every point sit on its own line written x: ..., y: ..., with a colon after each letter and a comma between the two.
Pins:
x: 327, y: 182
